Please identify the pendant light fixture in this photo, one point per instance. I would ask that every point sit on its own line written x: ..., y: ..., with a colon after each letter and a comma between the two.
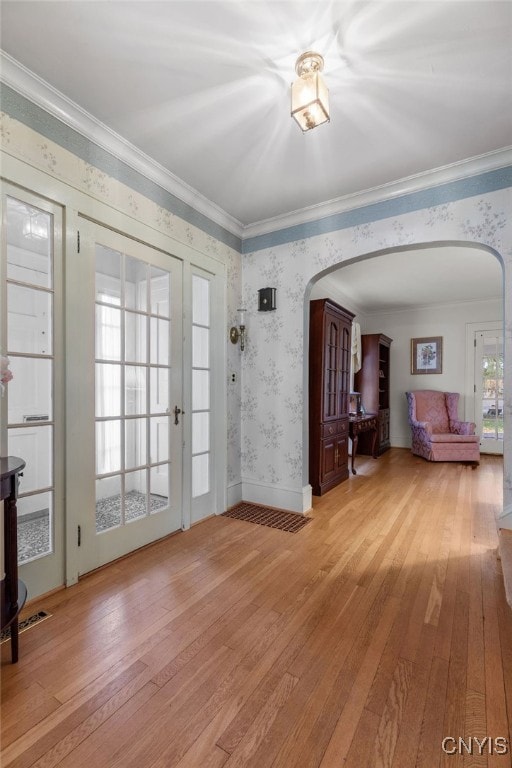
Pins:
x: 310, y: 95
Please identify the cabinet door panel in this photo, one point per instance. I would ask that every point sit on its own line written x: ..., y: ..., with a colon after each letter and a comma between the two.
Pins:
x: 384, y: 431
x: 342, y: 453
x: 328, y: 464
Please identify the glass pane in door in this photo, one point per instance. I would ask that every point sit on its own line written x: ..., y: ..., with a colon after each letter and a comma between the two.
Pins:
x: 492, y: 388
x: 35, y: 526
x: 30, y: 323
x: 132, y: 386
x: 201, y: 386
x: 34, y: 403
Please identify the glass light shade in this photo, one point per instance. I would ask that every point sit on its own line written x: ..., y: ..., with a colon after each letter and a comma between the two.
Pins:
x: 310, y: 101
x: 37, y: 226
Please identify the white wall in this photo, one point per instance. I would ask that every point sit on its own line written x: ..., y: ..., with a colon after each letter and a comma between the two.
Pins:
x: 274, y: 365
x: 446, y: 321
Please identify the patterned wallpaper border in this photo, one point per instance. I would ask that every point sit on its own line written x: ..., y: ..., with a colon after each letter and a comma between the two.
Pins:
x: 449, y: 192
x: 25, y: 111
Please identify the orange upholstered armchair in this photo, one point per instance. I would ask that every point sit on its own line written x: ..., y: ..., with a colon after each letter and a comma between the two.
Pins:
x: 437, y: 433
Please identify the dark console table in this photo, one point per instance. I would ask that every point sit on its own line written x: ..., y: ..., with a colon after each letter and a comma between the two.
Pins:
x: 13, y: 591
x: 358, y: 424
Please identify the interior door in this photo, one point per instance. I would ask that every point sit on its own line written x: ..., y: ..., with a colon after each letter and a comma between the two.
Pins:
x: 489, y: 390
x: 126, y: 429
x: 32, y: 406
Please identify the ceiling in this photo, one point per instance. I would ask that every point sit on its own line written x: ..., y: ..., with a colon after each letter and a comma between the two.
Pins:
x: 414, y: 278
x: 203, y: 88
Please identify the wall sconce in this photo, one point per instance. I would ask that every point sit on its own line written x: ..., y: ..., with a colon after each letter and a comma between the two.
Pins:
x: 239, y: 333
x: 310, y: 95
x: 266, y: 299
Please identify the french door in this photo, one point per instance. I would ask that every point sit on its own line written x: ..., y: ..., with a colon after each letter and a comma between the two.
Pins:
x: 32, y: 403
x: 489, y: 395
x: 124, y: 341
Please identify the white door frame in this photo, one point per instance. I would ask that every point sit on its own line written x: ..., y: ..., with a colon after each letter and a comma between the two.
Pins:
x: 470, y: 408
x: 74, y: 202
x: 97, y: 549
x: 46, y: 572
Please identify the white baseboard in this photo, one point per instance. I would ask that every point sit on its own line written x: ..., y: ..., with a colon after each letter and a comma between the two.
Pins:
x: 294, y: 500
x: 504, y: 518
x: 234, y: 494
x: 400, y: 441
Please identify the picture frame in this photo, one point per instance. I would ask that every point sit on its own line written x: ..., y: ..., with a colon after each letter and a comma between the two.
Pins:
x: 427, y: 355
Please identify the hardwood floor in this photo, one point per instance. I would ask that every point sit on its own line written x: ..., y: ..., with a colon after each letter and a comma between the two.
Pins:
x: 362, y: 640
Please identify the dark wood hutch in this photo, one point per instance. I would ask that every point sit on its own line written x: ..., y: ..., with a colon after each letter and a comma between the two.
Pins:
x: 329, y: 386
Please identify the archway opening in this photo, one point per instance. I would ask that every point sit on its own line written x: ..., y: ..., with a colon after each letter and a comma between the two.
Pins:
x: 414, y: 291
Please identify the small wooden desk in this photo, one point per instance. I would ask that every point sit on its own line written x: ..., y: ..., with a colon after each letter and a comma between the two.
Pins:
x: 13, y: 591
x: 358, y: 424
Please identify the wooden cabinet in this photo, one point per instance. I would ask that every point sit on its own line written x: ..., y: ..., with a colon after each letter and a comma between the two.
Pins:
x: 372, y: 381
x: 329, y: 384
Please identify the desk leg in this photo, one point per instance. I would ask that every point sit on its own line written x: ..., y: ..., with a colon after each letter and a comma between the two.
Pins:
x: 11, y: 567
x: 355, y: 440
x: 374, y: 440
x: 14, y: 640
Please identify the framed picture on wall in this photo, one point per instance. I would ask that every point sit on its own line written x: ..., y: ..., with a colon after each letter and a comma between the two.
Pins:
x: 427, y: 355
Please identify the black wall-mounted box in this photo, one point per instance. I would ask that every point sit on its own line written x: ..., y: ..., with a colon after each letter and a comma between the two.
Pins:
x: 266, y: 299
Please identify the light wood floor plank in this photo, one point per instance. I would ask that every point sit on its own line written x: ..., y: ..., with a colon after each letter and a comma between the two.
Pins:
x: 362, y: 640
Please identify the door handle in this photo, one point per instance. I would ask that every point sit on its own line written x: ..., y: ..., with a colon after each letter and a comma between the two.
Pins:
x: 177, y: 412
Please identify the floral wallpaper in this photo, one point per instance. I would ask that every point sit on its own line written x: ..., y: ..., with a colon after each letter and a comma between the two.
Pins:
x: 273, y: 372
x: 266, y: 458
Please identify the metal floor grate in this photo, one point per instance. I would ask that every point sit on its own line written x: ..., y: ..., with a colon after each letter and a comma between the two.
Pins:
x: 25, y: 624
x: 273, y: 518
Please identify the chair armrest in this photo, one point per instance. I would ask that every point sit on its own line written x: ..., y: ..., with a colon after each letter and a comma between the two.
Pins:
x: 423, y: 425
x: 462, y: 427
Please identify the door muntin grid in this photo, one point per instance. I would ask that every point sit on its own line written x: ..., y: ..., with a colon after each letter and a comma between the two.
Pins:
x: 30, y: 348
x: 201, y: 386
x: 492, y: 378
x: 132, y: 388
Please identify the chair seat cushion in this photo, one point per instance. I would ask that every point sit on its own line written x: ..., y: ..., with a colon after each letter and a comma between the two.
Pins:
x: 450, y: 438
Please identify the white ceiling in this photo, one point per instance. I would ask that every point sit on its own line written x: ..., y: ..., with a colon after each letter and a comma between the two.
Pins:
x: 415, y: 278
x: 203, y: 88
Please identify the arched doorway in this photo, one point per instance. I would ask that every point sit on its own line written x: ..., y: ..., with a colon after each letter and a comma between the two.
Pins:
x: 434, y: 288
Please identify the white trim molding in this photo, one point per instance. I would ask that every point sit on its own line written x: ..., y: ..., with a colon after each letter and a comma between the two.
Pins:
x: 44, y: 95
x: 41, y: 93
x: 490, y: 161
x: 504, y: 518
x: 291, y: 499
x: 234, y: 495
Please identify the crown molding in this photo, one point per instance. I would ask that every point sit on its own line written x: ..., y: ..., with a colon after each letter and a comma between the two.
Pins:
x: 332, y: 287
x: 44, y: 95
x: 41, y: 93
x: 419, y: 182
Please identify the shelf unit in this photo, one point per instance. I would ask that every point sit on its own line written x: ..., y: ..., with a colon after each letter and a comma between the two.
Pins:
x: 373, y: 382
